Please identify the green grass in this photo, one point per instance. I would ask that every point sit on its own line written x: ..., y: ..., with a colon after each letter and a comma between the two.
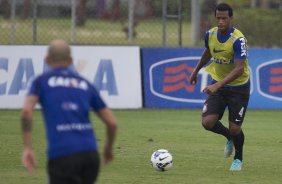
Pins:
x: 95, y: 32
x: 198, y: 154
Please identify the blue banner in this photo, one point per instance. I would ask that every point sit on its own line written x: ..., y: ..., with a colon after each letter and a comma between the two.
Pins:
x: 166, y: 74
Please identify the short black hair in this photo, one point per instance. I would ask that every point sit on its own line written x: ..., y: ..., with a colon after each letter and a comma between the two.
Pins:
x: 224, y: 7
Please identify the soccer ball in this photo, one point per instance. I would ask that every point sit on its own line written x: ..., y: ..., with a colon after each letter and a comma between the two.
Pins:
x: 161, y: 160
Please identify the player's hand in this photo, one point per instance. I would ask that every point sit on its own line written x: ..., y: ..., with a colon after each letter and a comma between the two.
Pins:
x: 207, y: 90
x: 193, y: 78
x: 211, y: 88
x: 28, y: 159
x: 108, y: 154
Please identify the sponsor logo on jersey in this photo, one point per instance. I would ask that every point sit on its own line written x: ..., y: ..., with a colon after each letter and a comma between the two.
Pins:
x: 73, y: 127
x: 217, y: 51
x: 243, y: 47
x: 69, y: 106
x: 68, y: 82
x: 222, y: 61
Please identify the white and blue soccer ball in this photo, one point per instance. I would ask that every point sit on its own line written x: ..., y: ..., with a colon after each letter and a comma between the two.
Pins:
x: 161, y: 160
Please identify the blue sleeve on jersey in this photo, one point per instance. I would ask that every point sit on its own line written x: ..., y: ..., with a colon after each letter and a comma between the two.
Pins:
x: 240, y: 49
x: 97, y: 102
x: 33, y: 88
x: 207, y: 40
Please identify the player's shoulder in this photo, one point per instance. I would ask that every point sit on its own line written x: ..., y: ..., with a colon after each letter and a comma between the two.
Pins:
x: 237, y: 34
x: 78, y: 76
x: 83, y: 79
x: 212, y: 30
x: 37, y: 78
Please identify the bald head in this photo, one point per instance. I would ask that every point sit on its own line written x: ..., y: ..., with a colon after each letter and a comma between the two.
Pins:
x: 59, y: 53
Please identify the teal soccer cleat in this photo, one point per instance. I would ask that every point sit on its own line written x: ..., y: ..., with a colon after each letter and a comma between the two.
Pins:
x: 228, y: 148
x: 236, y: 165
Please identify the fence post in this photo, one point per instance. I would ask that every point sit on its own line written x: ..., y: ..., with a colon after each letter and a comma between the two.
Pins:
x: 164, y: 15
x: 179, y: 3
x: 13, y: 22
x: 73, y: 24
x: 195, y: 22
x: 34, y: 31
x: 131, y: 5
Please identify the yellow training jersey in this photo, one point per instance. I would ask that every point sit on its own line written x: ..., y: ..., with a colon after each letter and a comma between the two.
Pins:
x: 223, y: 56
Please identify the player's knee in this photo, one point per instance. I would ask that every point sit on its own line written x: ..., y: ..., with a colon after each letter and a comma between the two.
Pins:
x: 234, y: 130
x: 207, y: 124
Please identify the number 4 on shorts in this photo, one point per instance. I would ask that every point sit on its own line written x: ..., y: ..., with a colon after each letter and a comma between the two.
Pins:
x: 241, y: 112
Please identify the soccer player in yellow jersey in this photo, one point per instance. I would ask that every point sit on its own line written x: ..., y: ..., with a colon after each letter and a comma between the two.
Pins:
x: 226, y: 49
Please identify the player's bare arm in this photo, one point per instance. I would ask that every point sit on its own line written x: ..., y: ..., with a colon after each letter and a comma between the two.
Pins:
x: 234, y: 74
x: 203, y: 61
x: 108, y: 118
x: 28, y: 157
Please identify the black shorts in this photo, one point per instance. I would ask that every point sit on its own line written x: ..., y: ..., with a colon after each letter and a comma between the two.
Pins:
x: 234, y: 98
x: 77, y: 168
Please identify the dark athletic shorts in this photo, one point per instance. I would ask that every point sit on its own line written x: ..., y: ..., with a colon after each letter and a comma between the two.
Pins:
x: 234, y: 98
x: 77, y: 168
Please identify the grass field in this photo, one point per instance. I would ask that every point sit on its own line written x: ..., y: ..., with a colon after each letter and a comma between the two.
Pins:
x: 149, y: 32
x: 198, y: 154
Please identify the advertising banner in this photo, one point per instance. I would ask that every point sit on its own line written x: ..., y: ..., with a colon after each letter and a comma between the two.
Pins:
x: 166, y: 78
x: 114, y: 71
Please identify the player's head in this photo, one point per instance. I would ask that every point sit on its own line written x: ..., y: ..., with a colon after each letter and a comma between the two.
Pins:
x: 223, y: 14
x: 224, y: 7
x: 59, y: 54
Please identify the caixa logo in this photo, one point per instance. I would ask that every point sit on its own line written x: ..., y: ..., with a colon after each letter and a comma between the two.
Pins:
x: 169, y: 79
x: 12, y: 82
x: 269, y: 79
